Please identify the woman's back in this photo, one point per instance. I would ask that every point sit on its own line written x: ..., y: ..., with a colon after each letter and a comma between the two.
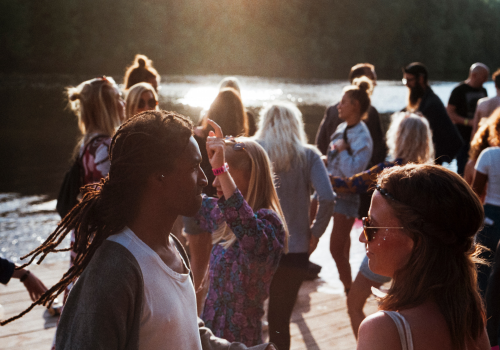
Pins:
x: 294, y: 189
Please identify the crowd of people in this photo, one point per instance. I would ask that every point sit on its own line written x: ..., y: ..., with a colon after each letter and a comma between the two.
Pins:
x: 253, y: 198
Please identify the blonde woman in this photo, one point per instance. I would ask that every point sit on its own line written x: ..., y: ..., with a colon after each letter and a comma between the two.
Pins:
x: 140, y: 98
x: 349, y: 153
x: 248, y: 234
x: 410, y: 141
x: 299, y: 169
x: 100, y: 109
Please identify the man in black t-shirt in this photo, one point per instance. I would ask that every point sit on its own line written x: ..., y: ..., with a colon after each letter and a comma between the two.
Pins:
x: 462, y: 106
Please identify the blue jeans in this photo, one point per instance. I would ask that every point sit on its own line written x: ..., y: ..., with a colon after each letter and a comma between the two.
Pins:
x: 488, y: 237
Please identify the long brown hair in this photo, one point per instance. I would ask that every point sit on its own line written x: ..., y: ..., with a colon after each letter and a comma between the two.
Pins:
x: 441, y: 214
x: 228, y: 111
x: 149, y: 142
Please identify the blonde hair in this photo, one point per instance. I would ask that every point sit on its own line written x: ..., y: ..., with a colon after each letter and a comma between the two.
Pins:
x: 410, y: 138
x: 261, y: 191
x: 360, y: 91
x: 96, y: 105
x: 134, y: 96
x: 281, y: 130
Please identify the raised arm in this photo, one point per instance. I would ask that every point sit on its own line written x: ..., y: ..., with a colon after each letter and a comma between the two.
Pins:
x: 258, y: 233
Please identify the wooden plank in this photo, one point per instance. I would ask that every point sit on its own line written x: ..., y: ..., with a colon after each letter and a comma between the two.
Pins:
x: 319, y: 319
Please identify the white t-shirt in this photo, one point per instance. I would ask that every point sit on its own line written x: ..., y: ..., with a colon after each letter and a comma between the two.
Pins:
x: 168, y: 318
x: 488, y: 163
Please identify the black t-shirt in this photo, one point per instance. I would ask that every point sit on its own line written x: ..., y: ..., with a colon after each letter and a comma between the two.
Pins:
x: 464, y: 97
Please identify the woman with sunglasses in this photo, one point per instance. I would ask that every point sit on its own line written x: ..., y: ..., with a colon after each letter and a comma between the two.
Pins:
x: 298, y: 169
x: 420, y: 232
x: 248, y: 235
x: 140, y: 98
x: 410, y: 141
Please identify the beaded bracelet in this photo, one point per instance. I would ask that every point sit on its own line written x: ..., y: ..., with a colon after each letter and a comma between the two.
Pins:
x: 221, y: 170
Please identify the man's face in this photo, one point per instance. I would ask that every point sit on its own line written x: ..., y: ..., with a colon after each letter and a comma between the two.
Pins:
x: 416, y: 88
x: 409, y: 80
x: 183, y: 185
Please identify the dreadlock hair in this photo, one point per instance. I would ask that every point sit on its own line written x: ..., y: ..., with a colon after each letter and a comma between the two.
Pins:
x: 149, y: 142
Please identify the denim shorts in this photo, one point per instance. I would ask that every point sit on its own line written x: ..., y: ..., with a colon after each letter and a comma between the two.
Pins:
x: 347, y: 204
x: 372, y: 276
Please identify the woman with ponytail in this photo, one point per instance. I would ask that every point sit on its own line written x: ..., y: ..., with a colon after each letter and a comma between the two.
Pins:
x: 420, y: 232
x: 349, y: 153
x: 141, y: 71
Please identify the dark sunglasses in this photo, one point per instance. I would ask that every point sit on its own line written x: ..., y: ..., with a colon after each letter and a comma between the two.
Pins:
x: 152, y: 103
x: 367, y: 227
x: 238, y: 146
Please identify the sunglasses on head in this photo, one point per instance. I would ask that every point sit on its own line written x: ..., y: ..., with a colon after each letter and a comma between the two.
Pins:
x: 238, y: 146
x: 367, y: 227
x: 152, y: 103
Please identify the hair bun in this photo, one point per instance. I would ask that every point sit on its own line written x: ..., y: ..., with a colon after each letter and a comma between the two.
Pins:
x: 141, y: 62
x: 74, y: 96
x: 363, y: 83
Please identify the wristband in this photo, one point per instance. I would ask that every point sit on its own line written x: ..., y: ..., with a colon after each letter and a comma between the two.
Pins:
x: 223, y: 169
x: 23, y: 277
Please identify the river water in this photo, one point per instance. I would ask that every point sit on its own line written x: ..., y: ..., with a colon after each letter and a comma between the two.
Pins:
x: 38, y: 135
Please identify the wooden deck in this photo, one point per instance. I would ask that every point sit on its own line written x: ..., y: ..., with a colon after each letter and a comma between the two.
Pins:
x: 319, y: 320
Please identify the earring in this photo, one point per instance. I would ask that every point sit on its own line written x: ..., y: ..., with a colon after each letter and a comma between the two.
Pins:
x: 163, y: 176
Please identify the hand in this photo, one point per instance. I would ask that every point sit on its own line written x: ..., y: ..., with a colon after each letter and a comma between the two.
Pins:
x: 34, y: 286
x: 313, y: 244
x: 271, y: 347
x: 216, y: 146
x: 341, y: 145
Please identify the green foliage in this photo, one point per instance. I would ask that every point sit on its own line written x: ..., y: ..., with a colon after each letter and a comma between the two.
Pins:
x: 291, y: 38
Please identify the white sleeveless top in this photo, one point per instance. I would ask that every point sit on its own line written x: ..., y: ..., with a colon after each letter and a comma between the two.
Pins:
x: 403, y: 329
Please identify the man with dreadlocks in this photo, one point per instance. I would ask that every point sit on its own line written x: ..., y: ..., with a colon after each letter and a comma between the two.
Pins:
x: 134, y: 289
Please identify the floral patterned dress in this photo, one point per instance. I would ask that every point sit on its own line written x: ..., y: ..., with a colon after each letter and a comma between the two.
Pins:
x: 240, y: 276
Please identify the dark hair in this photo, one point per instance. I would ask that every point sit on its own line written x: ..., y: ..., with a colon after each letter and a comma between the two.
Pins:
x: 228, y: 111
x: 441, y: 214
x: 141, y: 71
x: 360, y: 91
x: 417, y: 69
x: 149, y: 142
x: 496, y: 78
x: 361, y: 70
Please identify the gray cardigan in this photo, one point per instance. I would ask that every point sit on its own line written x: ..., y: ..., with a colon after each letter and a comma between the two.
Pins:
x: 294, y: 189
x: 104, y: 307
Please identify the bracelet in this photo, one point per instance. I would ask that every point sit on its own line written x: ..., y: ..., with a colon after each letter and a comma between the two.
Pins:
x: 23, y: 277
x: 223, y: 169
x: 466, y: 121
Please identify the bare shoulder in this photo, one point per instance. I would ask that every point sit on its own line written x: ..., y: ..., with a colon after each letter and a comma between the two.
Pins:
x: 378, y: 331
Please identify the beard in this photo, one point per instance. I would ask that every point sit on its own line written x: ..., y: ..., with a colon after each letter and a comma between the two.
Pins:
x: 416, y: 94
